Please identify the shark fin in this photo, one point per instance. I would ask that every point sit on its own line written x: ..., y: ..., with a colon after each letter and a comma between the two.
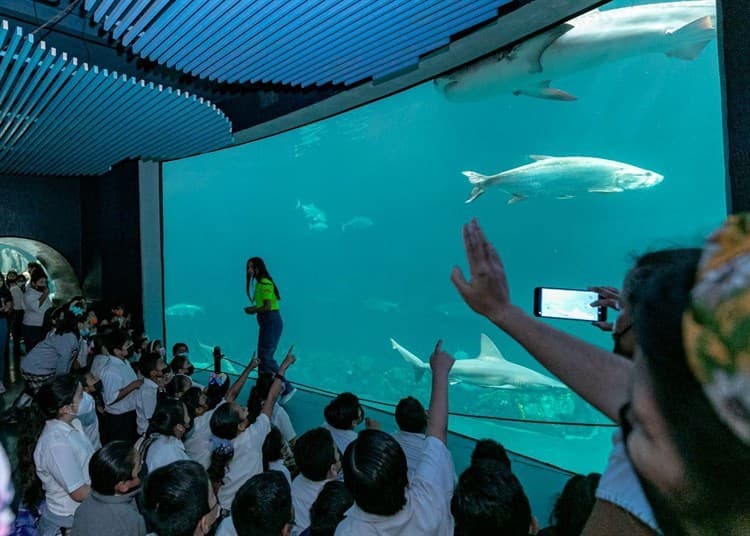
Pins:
x: 453, y: 381
x: 475, y: 192
x: 541, y: 43
x: 610, y: 190
x: 516, y: 198
x: 688, y: 52
x: 544, y: 91
x: 538, y: 157
x: 506, y: 386
x: 488, y: 351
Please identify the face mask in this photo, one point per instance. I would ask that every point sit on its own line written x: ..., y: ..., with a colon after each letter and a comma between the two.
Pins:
x: 162, y: 352
x: 85, y: 332
x: 78, y: 311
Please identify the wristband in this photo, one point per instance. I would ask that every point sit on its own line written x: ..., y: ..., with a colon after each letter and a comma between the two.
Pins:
x: 279, y: 377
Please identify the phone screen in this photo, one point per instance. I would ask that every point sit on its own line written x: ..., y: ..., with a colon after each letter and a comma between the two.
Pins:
x: 567, y: 303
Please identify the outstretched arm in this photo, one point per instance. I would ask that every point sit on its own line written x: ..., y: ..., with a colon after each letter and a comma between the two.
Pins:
x: 441, y: 363
x: 236, y: 388
x: 277, y: 385
x: 598, y: 376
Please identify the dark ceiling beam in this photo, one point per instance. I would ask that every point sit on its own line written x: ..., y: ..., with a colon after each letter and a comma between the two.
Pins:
x: 521, y: 22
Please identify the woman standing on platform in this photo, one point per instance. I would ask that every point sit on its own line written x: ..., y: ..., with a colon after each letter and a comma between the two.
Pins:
x: 264, y: 294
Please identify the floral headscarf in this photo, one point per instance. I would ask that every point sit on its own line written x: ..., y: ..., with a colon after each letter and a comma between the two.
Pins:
x: 716, y: 328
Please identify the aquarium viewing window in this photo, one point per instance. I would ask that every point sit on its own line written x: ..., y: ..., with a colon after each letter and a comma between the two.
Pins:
x: 358, y: 218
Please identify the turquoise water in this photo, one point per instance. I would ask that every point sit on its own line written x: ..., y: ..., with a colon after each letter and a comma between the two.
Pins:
x: 396, y: 165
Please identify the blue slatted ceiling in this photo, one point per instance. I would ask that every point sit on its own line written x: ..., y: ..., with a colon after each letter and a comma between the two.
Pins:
x: 295, y: 42
x: 61, y: 118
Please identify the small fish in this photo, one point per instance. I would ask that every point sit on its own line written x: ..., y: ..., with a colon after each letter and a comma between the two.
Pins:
x: 357, y: 224
x: 317, y: 226
x: 185, y: 309
x: 312, y: 213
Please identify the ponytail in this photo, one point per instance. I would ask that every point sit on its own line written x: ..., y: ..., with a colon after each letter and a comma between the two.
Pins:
x: 222, y: 454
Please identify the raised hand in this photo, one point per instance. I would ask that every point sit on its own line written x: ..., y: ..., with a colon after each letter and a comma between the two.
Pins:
x: 441, y: 362
x: 254, y: 361
x: 486, y: 291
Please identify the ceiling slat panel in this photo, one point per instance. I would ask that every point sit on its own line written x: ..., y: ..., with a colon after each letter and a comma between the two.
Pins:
x: 292, y: 42
x: 61, y: 118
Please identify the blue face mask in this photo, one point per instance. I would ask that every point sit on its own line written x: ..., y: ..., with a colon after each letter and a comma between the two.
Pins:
x: 85, y: 333
x: 76, y: 310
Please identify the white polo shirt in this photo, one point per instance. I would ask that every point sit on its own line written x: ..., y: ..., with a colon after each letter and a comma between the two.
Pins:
x: 280, y: 419
x: 198, y: 441
x: 427, y: 508
x: 34, y: 313
x: 412, y: 445
x: 226, y: 527
x: 304, y: 493
x: 98, y: 364
x: 279, y: 466
x: 247, y: 461
x: 62, y: 456
x: 163, y: 451
x: 342, y: 438
x: 145, y: 404
x: 117, y: 374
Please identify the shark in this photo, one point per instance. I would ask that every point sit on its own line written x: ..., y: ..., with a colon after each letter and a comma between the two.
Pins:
x: 488, y: 369
x: 676, y: 29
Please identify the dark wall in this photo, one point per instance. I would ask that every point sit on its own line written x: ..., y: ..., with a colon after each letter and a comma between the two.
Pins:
x: 47, y: 209
x: 111, y: 250
x: 93, y: 222
x: 735, y: 79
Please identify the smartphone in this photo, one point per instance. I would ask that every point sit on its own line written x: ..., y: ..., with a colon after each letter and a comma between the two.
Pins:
x: 570, y: 304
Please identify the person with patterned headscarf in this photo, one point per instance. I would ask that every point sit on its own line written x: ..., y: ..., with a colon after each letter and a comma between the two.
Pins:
x: 685, y: 398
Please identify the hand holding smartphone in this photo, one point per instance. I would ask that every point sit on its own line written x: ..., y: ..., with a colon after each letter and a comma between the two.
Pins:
x: 568, y: 304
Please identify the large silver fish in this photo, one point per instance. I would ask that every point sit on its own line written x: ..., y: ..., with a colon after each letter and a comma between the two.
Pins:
x: 564, y: 177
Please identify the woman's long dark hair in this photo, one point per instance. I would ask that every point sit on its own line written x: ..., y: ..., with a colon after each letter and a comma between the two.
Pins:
x: 49, y: 400
x: 261, y: 272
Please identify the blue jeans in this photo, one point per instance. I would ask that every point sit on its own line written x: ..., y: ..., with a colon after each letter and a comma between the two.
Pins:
x: 270, y: 327
x: 3, y: 346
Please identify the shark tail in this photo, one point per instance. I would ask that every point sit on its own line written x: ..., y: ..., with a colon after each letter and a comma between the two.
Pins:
x: 477, y: 179
x: 419, y: 366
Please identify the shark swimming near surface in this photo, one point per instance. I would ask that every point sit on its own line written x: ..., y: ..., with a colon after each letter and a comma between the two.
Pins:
x: 677, y: 29
x: 564, y: 177
x: 488, y: 369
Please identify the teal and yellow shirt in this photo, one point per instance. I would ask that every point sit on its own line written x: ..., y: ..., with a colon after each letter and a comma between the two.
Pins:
x: 265, y: 291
